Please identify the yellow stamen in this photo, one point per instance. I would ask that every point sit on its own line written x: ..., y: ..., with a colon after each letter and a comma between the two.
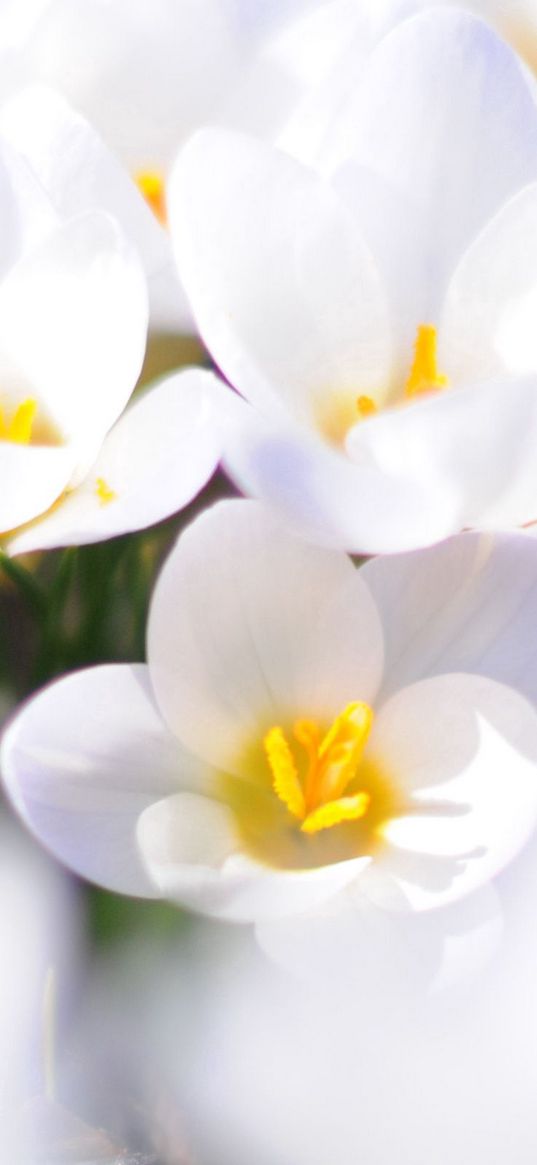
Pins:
x: 103, y: 491
x: 333, y: 760
x: 334, y: 812
x: 424, y: 375
x: 19, y: 429
x: 366, y: 407
x: 151, y: 185
x: 285, y: 777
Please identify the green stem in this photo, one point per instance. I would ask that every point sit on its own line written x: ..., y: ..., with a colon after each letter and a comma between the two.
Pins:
x: 26, y: 584
x: 52, y: 647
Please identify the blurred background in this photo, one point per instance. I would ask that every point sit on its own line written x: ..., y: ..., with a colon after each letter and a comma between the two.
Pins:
x: 132, y: 1033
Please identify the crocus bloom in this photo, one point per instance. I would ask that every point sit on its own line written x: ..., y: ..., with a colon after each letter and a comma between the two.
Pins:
x: 297, y: 731
x: 73, y: 321
x: 381, y: 328
x: 100, y: 100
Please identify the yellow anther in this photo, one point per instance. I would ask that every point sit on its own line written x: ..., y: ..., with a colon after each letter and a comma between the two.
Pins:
x: 333, y: 759
x: 424, y: 375
x: 335, y: 812
x: 103, y: 491
x: 366, y: 407
x: 151, y: 185
x: 19, y: 428
x: 285, y: 777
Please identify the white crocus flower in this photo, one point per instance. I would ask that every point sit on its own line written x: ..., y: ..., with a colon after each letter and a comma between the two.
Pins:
x: 381, y: 327
x: 516, y: 20
x: 297, y: 732
x: 73, y: 320
x: 100, y: 100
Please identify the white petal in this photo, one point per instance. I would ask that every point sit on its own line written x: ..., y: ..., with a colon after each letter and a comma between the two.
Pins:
x: 470, y: 944
x: 157, y: 457
x: 469, y: 604
x: 445, y: 114
x: 464, y: 750
x: 472, y: 448
x: 487, y: 325
x: 73, y: 319
x: 402, y: 255
x: 193, y: 854
x: 31, y: 479
x: 249, y: 625
x: 367, y: 505
x: 27, y: 212
x: 145, y: 72
x: 284, y: 290
x: 330, y: 48
x: 82, y: 760
x: 81, y: 174
x: 350, y: 941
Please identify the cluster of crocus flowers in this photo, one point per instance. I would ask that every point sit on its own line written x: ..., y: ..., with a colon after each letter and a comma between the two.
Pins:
x: 303, y: 732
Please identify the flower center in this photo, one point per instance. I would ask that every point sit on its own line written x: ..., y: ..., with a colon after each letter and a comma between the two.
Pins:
x: 306, y: 793
x: 321, y: 798
x: 339, y: 411
x: 152, y: 186
x: 423, y: 376
x: 27, y: 424
x: 19, y: 428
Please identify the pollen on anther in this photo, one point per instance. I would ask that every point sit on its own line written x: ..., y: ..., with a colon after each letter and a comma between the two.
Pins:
x: 285, y: 777
x: 316, y: 792
x: 103, y: 491
x: 336, y: 812
x: 424, y: 375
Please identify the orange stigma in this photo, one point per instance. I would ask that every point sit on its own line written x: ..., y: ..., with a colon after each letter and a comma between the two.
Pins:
x: 152, y: 186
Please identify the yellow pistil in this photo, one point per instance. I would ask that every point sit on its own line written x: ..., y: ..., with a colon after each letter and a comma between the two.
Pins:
x: 320, y: 800
x: 424, y: 375
x: 103, y: 491
x: 19, y: 428
x: 152, y: 186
